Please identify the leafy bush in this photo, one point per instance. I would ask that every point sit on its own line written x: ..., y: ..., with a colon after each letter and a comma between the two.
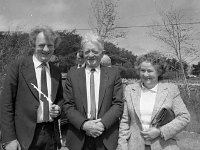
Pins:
x: 128, y: 73
x: 193, y: 106
x: 2, y: 76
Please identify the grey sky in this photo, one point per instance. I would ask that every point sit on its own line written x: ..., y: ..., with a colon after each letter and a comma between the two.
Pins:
x: 71, y: 14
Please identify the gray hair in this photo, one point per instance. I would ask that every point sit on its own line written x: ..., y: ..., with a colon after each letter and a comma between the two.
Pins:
x: 92, y: 38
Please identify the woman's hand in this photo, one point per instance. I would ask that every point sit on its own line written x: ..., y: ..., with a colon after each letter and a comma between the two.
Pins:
x: 150, y: 134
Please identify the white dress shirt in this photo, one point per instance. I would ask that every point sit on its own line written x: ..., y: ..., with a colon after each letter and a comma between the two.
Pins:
x: 147, y: 101
x: 38, y: 67
x: 96, y: 84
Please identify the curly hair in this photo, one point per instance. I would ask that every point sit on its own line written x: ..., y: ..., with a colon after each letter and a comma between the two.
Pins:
x: 156, y: 59
x: 48, y: 33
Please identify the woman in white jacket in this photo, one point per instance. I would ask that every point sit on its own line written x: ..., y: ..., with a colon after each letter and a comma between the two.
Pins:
x: 143, y: 102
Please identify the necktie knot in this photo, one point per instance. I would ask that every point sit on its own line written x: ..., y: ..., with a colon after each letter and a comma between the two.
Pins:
x: 44, y: 64
x: 92, y: 70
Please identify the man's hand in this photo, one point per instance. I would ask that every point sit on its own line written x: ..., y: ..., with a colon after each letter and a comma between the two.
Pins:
x: 54, y: 111
x: 93, y: 128
x: 13, y: 145
x: 150, y: 134
x: 100, y: 124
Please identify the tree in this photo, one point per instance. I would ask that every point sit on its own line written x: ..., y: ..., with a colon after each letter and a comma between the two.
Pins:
x: 4, y: 39
x: 123, y: 59
x: 70, y: 43
x: 175, y: 33
x: 196, y: 69
x: 104, y: 19
x: 13, y: 45
x: 173, y: 68
x: 66, y: 52
x: 119, y: 55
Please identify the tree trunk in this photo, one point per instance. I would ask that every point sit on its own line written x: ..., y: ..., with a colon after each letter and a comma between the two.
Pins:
x: 186, y: 85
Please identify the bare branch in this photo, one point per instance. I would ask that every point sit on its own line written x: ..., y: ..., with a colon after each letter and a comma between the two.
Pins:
x: 104, y: 19
x: 175, y: 34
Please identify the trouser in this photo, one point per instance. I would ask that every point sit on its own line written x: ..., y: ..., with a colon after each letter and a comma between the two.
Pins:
x: 44, y: 137
x: 93, y: 143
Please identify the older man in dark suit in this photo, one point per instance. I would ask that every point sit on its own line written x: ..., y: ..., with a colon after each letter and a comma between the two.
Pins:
x: 31, y: 97
x: 93, y: 101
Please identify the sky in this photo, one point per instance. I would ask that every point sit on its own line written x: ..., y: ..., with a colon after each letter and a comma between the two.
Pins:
x: 74, y: 14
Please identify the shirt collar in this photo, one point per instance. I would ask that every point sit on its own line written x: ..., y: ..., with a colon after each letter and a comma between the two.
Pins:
x: 97, y: 69
x: 38, y: 63
x: 154, y: 89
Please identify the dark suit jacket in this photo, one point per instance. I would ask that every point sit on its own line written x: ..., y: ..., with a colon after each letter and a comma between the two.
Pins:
x: 63, y: 118
x: 74, y: 67
x: 110, y: 107
x: 20, y: 101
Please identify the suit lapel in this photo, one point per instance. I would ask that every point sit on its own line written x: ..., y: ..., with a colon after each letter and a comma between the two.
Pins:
x: 82, y: 85
x: 104, y: 77
x: 28, y: 73
x: 135, y: 99
x: 160, y: 98
x: 54, y: 82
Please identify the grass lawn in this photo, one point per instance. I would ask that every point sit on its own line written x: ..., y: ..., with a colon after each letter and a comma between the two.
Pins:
x: 189, y: 141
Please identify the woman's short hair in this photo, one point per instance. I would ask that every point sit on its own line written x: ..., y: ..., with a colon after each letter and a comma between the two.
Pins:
x: 156, y: 59
x: 48, y: 33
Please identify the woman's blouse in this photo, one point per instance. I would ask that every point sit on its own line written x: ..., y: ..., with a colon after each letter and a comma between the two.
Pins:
x: 147, y: 101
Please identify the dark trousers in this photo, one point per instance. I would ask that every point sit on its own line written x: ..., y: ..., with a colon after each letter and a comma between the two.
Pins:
x: 64, y: 129
x: 93, y: 143
x: 44, y: 137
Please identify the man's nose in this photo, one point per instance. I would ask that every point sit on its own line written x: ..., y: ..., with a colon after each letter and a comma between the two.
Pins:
x: 45, y: 48
x: 91, y: 54
x: 145, y: 73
